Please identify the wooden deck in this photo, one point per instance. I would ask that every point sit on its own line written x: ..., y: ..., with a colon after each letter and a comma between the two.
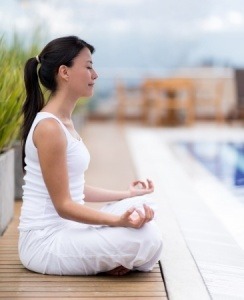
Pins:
x: 17, y: 282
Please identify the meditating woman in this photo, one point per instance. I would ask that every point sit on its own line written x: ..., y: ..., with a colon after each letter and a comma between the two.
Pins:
x: 58, y: 233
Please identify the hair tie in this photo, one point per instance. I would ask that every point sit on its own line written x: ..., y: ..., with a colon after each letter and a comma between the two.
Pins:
x: 38, y: 59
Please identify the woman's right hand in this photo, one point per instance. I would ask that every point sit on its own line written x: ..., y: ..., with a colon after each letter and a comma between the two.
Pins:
x: 128, y: 219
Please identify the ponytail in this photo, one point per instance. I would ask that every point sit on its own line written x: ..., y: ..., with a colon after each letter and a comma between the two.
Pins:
x: 34, y: 101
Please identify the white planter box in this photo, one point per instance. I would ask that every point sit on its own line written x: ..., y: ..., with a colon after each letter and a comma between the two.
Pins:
x: 19, y: 181
x: 6, y: 188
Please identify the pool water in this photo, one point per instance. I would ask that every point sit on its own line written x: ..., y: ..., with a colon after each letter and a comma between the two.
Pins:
x: 224, y: 160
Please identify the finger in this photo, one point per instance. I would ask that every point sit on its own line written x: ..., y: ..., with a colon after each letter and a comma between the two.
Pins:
x: 141, y: 218
x: 140, y: 184
x: 128, y: 213
x: 140, y: 213
x: 136, y: 182
x: 152, y: 213
x: 143, y: 184
x: 150, y: 184
x: 148, y: 214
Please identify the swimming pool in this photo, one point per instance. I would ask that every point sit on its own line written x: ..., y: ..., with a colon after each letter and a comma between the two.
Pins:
x: 223, y: 159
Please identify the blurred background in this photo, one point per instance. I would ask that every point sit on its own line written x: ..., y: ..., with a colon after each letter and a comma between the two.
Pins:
x: 161, y: 64
x: 136, y: 41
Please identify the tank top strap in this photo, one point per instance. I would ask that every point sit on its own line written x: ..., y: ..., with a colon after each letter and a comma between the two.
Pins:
x: 45, y: 115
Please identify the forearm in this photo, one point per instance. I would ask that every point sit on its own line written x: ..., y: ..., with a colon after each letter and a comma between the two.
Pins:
x: 94, y: 194
x: 80, y: 213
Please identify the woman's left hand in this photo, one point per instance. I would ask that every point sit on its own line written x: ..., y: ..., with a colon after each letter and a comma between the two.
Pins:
x: 139, y: 188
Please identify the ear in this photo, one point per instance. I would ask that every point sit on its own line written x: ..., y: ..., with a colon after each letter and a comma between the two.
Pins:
x: 63, y: 72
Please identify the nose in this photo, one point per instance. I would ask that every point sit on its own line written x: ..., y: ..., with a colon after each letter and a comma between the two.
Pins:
x: 94, y: 75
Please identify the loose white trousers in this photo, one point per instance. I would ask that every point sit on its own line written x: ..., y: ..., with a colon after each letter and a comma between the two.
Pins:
x: 79, y: 249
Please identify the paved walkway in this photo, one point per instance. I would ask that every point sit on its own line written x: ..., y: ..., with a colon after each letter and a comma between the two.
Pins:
x: 111, y: 165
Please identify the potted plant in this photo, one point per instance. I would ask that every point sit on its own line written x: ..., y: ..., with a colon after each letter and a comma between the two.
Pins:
x: 11, y: 99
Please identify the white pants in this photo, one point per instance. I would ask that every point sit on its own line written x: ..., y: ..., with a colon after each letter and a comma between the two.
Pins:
x: 80, y: 249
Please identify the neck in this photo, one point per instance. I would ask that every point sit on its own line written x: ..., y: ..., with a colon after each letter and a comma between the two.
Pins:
x: 61, y: 105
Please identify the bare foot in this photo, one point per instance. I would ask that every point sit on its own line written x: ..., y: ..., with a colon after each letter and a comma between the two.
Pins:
x: 119, y: 271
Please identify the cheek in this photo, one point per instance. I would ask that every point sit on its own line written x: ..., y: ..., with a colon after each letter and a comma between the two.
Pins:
x: 79, y: 78
x: 80, y: 81
x: 84, y: 76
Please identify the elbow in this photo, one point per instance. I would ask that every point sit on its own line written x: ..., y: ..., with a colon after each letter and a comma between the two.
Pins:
x: 62, y: 213
x: 69, y: 210
x: 63, y: 210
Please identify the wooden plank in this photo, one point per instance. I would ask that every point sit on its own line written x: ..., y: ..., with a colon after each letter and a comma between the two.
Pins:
x: 13, y: 244
x: 146, y: 285
x: 109, y: 294
x: 12, y: 266
x: 90, y: 298
x: 10, y: 255
x: 7, y: 251
x: 12, y: 278
x: 10, y: 262
x: 44, y: 278
x: 19, y: 270
x: 81, y: 288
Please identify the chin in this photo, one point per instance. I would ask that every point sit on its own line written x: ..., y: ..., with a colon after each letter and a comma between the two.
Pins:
x: 86, y: 95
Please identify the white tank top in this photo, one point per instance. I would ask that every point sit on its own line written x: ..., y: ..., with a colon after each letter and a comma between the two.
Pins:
x: 37, y: 210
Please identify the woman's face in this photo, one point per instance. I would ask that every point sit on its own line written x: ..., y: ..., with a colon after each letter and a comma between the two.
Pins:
x: 82, y: 76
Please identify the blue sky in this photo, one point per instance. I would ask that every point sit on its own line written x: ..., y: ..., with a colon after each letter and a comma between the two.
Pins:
x: 137, y: 33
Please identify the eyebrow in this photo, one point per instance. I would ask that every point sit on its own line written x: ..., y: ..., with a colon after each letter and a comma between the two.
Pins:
x: 89, y: 61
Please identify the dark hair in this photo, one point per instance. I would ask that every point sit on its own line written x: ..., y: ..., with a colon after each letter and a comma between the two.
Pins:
x: 60, y: 51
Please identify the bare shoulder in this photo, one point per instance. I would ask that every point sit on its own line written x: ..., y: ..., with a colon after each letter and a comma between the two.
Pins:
x: 49, y: 132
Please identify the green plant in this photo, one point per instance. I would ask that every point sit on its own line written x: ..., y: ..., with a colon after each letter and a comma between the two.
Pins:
x: 11, y: 96
x: 12, y: 58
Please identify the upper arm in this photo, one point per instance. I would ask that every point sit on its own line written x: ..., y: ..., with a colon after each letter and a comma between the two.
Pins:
x: 51, y: 143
